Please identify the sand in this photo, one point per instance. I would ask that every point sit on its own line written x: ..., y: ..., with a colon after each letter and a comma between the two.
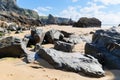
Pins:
x: 17, y: 69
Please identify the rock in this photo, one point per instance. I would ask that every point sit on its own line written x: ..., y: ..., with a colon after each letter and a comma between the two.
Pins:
x: 75, y: 62
x: 74, y: 39
x: 53, y: 35
x: 12, y: 47
x: 31, y: 57
x: 2, y: 32
x: 63, y: 46
x: 37, y: 47
x: 87, y: 22
x: 25, y: 41
x: 66, y: 34
x: 37, y: 36
x: 105, y: 45
x: 10, y: 12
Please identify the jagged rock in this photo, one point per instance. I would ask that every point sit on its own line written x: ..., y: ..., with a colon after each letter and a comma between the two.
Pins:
x: 63, y: 46
x: 12, y: 47
x: 106, y: 46
x: 75, y: 62
x: 37, y: 36
x: 53, y: 35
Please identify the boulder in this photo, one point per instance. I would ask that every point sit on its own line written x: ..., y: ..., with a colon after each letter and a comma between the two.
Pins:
x: 74, y: 39
x: 53, y: 35
x: 75, y: 62
x: 106, y: 44
x: 87, y: 22
x: 63, y: 46
x: 12, y: 47
x: 37, y: 36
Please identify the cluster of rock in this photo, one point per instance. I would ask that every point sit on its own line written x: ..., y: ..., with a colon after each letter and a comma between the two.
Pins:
x: 87, y: 22
x: 61, y: 56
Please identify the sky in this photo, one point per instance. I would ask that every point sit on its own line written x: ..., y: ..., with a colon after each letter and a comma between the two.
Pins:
x: 108, y: 11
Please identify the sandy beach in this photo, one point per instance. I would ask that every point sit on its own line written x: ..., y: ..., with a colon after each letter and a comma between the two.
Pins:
x: 17, y: 69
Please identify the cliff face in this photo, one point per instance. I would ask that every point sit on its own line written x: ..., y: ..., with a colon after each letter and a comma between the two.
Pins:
x: 9, y: 11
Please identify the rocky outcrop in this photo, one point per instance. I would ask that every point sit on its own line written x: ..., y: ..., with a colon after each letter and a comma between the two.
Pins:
x: 75, y: 62
x: 10, y: 12
x: 87, y: 22
x: 12, y: 47
x: 105, y: 47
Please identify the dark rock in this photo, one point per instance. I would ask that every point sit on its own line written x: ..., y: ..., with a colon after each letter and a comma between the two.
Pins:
x: 63, y: 46
x: 12, y: 28
x: 12, y: 47
x: 53, y: 35
x: 106, y: 45
x: 37, y: 36
x: 74, y: 39
x: 9, y: 11
x: 66, y: 34
x: 87, y: 22
x: 75, y: 62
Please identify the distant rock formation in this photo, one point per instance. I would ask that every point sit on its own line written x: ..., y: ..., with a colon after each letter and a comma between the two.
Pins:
x: 10, y: 12
x: 87, y: 22
x: 50, y: 19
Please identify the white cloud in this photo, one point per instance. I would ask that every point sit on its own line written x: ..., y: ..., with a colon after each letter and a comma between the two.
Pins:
x: 108, y: 2
x: 41, y: 10
x: 74, y: 0
x: 71, y: 12
x: 92, y: 10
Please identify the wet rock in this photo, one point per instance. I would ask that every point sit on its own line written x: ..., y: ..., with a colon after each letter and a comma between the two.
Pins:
x: 75, y: 62
x: 63, y: 46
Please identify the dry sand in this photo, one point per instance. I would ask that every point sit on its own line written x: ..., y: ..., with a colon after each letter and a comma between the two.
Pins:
x: 17, y: 69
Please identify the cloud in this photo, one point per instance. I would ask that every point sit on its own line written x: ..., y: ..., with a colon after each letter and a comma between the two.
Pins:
x: 70, y: 12
x: 74, y: 0
x: 108, y: 2
x: 91, y: 10
x: 42, y: 10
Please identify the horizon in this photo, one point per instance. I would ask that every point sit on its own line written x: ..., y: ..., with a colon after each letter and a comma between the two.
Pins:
x: 106, y: 11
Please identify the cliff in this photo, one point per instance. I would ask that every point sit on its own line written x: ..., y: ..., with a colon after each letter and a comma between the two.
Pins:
x: 11, y: 12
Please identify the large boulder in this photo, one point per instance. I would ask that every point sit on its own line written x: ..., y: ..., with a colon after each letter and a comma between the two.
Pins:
x: 63, y: 46
x: 12, y: 47
x: 105, y: 46
x: 53, y: 35
x: 37, y: 36
x: 87, y: 22
x: 75, y: 62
